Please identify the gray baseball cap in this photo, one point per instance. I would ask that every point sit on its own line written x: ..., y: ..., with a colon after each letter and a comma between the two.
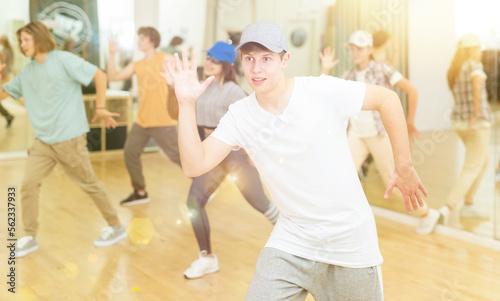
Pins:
x: 267, y: 34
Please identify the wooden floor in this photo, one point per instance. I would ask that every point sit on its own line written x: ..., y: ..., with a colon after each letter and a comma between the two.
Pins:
x: 149, y: 264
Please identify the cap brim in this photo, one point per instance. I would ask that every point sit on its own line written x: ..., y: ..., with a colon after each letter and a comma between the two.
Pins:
x: 357, y: 45
x: 270, y: 47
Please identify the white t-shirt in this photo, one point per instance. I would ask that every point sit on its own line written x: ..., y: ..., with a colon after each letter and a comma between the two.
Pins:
x: 363, y: 124
x: 304, y: 159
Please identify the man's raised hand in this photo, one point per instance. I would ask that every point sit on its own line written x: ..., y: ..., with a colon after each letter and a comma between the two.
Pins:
x: 186, y: 84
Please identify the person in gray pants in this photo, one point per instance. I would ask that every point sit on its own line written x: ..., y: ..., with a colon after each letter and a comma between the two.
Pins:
x: 152, y: 119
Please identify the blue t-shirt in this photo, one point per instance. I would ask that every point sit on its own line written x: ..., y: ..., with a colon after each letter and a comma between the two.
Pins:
x: 53, y: 95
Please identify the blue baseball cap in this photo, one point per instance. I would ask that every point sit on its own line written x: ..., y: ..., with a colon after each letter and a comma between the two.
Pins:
x: 223, y: 52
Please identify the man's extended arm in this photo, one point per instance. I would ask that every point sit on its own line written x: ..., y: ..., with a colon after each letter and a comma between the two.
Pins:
x: 405, y: 178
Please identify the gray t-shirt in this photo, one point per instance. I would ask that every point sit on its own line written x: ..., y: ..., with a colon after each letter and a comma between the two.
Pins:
x: 214, y: 102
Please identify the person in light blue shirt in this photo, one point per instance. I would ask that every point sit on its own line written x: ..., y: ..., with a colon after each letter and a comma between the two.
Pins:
x: 52, y: 93
x: 51, y: 88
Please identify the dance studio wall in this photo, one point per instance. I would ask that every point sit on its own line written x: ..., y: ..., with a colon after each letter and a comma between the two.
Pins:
x: 431, y: 43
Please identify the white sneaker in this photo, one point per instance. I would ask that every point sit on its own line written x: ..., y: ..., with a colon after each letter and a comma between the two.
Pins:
x: 445, y: 213
x: 427, y: 223
x: 26, y: 245
x: 201, y: 266
x: 472, y: 212
x: 111, y: 235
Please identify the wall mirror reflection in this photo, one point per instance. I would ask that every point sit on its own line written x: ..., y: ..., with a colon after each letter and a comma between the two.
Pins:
x: 455, y: 169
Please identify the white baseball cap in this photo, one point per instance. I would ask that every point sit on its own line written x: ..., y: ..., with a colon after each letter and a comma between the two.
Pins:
x: 361, y: 39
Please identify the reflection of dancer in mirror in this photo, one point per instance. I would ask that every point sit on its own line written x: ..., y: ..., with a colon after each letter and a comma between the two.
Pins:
x: 383, y: 44
x: 366, y: 133
x: 152, y: 119
x: 51, y: 88
x: 210, y: 107
x: 6, y: 59
x: 294, y: 129
x: 471, y: 120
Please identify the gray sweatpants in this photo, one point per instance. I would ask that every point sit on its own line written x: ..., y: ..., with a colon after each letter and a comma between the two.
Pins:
x: 137, y: 138
x: 280, y: 276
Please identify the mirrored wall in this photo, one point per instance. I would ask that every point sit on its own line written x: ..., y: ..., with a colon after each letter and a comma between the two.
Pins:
x: 424, y: 35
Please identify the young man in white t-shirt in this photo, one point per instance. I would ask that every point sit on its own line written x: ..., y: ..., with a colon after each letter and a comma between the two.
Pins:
x: 294, y: 129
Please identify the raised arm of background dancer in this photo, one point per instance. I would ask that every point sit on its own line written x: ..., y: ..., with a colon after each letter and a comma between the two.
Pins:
x: 114, y: 75
x: 405, y: 178
x: 100, y: 85
x: 412, y: 93
x: 477, y: 98
x: 3, y: 93
x: 168, y: 59
x: 197, y: 157
x: 328, y: 61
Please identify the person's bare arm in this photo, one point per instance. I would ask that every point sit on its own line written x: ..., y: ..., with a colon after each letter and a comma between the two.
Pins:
x: 412, y: 93
x: 405, y: 177
x: 101, y: 112
x: 477, y: 82
x: 114, y: 75
x: 3, y: 94
x: 197, y: 157
x: 328, y: 61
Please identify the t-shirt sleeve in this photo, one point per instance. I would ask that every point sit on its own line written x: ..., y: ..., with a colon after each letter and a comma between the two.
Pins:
x: 226, y: 130
x: 395, y: 78
x: 477, y: 69
x: 14, y: 87
x: 77, y: 68
x: 390, y: 73
x: 346, y: 96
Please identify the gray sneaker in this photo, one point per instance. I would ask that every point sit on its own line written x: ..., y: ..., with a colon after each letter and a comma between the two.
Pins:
x: 111, y: 235
x: 26, y: 245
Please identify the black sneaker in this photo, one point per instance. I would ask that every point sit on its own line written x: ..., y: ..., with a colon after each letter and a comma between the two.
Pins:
x: 135, y: 199
x: 9, y: 121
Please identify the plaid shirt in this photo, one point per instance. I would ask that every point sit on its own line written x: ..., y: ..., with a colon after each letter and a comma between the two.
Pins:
x: 377, y: 73
x: 464, y: 96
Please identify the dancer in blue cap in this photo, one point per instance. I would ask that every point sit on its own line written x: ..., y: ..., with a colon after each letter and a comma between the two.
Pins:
x: 211, y: 106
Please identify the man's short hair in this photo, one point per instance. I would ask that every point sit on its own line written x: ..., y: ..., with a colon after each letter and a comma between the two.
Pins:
x: 43, y: 39
x: 252, y: 47
x: 152, y: 34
